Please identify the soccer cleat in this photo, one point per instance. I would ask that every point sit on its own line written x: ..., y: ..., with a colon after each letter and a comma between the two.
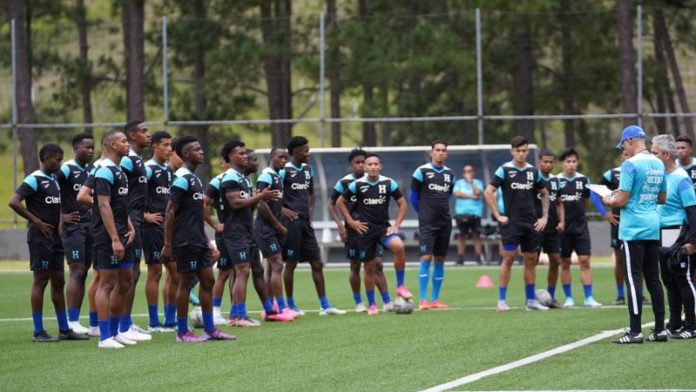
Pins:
x: 132, y: 334
x: 297, y: 311
x: 77, y: 328
x: 331, y: 311
x: 388, y: 307
x: 438, y: 305
x: 159, y: 328
x: 619, y: 301
x: 216, y: 334
x: 658, y: 336
x: 189, y: 337
x: 403, y: 292
x: 123, y: 339
x: 284, y: 317
x: 290, y: 313
x: 569, y: 303
x: 193, y: 299
x: 423, y: 305
x: 244, y: 322
x: 629, y: 338
x: 555, y: 304
x: 502, y: 306
x: 460, y: 261
x: 109, y: 343
x: 93, y: 332
x: 275, y: 306
x: 136, y: 328
x: 534, y: 304
x: 44, y: 337
x: 360, y: 308
x: 373, y: 310
x: 591, y: 303
x: 683, y: 333
x: 72, y: 335
x: 219, y: 320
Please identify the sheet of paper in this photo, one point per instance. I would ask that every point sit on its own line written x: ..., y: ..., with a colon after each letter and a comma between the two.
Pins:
x: 601, y: 190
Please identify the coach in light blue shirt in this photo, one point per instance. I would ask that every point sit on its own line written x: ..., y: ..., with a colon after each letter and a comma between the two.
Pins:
x: 641, y: 187
x: 468, y: 210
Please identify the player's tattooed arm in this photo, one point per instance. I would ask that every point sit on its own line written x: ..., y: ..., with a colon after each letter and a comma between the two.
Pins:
x: 492, y: 203
x: 541, y: 222
x: 560, y: 212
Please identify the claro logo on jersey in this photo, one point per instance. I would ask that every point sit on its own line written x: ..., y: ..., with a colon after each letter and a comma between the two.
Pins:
x: 162, y: 190
x: 76, y: 187
x: 440, y: 188
x: 123, y: 191
x: 197, y: 196
x: 300, y: 186
x: 574, y: 197
x: 525, y: 186
x: 52, y: 200
x: 370, y: 201
x: 142, y: 179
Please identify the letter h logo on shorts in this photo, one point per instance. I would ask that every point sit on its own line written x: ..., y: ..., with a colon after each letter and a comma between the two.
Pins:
x: 193, y: 265
x: 351, y: 252
x: 273, y: 247
x: 156, y: 255
x: 114, y: 260
x: 423, y: 248
x: 290, y: 252
x: 44, y: 264
x: 243, y: 255
x: 75, y: 254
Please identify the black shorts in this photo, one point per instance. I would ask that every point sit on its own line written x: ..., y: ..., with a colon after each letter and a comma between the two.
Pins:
x: 301, y: 242
x: 615, y: 241
x: 238, y: 253
x: 351, y: 244
x: 268, y: 242
x: 435, y: 240
x: 191, y: 259
x: 137, y: 242
x: 371, y: 241
x: 468, y: 224
x: 104, y: 258
x: 224, y: 262
x: 78, y: 243
x: 152, y: 241
x: 46, y: 255
x: 550, y: 242
x: 578, y: 242
x: 525, y: 236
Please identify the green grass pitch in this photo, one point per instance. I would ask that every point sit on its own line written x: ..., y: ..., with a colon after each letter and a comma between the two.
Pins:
x: 355, y: 352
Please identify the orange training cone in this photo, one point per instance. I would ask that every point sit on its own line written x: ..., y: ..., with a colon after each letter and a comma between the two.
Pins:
x: 484, y: 282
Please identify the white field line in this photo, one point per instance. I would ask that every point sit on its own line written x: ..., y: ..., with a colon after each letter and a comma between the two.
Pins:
x: 607, y: 390
x: 525, y: 361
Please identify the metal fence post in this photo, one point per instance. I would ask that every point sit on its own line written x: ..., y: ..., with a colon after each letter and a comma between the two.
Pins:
x: 639, y: 64
x: 322, y: 70
x: 165, y: 75
x: 13, y: 45
x: 479, y: 78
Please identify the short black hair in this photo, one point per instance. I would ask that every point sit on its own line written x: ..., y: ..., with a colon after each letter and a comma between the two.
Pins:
x: 109, y: 135
x: 277, y: 150
x: 229, y: 147
x: 568, y: 152
x: 436, y: 142
x: 356, y: 152
x: 158, y: 136
x: 518, y: 141
x: 132, y: 125
x: 295, y: 142
x: 49, y: 149
x: 372, y: 155
x: 182, y: 142
x: 546, y: 153
x: 77, y: 139
x: 685, y: 139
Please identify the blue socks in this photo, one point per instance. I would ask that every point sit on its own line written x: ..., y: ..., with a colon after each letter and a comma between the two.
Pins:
x: 169, y: 314
x: 240, y: 311
x: 124, y: 324
x: 529, y: 291
x: 267, y: 306
x: 104, y: 329
x: 588, y: 290
x: 113, y: 325
x: 438, y: 276
x: 154, y: 317
x: 552, y: 291
x: 400, y: 274
x: 502, y: 293
x: 291, y: 303
x: 38, y: 321
x: 62, y: 320
x: 181, y: 325
x: 357, y: 298
x: 281, y: 303
x: 93, y: 320
x: 567, y: 291
x: 217, y: 302
x: 620, y: 291
x: 423, y: 278
x: 386, y: 298
x: 208, y: 325
x: 324, y: 303
x: 73, y: 315
x: 233, y: 311
x: 370, y: 297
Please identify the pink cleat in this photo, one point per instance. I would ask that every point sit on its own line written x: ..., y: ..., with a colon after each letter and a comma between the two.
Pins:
x: 275, y: 306
x: 189, y: 337
x: 216, y: 334
x: 277, y: 317
x: 373, y: 310
x: 403, y: 292
x: 290, y: 313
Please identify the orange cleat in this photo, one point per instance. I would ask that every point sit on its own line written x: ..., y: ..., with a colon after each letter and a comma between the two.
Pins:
x: 423, y: 305
x: 438, y: 305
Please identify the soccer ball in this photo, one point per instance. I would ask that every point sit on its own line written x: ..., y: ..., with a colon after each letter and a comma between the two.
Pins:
x: 196, y: 317
x: 402, y: 306
x: 544, y: 297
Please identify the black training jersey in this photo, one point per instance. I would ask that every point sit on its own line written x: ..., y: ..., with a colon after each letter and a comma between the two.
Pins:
x: 187, y: 191
x: 237, y: 220
x: 610, y: 179
x: 70, y: 177
x: 297, y: 183
x: 340, y: 188
x: 269, y: 178
x: 41, y: 193
x: 551, y: 184
x: 134, y: 167
x: 213, y: 193
x: 110, y: 181
x: 159, y: 182
x: 435, y: 187
x: 519, y: 187
x: 574, y: 194
x: 372, y: 199
x: 690, y: 170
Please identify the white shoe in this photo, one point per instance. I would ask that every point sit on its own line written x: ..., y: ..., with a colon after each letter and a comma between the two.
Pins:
x: 109, y: 343
x: 502, y: 306
x: 93, y: 332
x: 159, y: 329
x: 123, y: 339
x: 569, y: 303
x: 360, y: 308
x: 331, y: 311
x: 219, y: 320
x: 138, y: 329
x: 77, y: 328
x: 132, y: 334
x: 591, y: 303
x: 388, y: 307
x: 534, y: 304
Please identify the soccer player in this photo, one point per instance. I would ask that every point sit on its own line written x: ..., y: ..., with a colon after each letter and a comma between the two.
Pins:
x: 76, y: 233
x: 573, y: 191
x: 551, y: 235
x: 185, y: 239
x: 371, y: 207
x: 43, y: 208
x: 356, y: 159
x: 673, y: 216
x: 134, y: 168
x: 468, y: 210
x: 431, y: 188
x: 159, y: 180
x: 301, y: 242
x: 521, y: 225
x: 610, y: 179
x: 641, y: 188
x: 685, y: 154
